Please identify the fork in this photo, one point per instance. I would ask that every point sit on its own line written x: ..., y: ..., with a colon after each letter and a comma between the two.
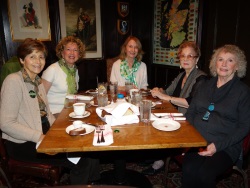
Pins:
x: 102, y: 137
x: 158, y: 116
x: 98, y: 130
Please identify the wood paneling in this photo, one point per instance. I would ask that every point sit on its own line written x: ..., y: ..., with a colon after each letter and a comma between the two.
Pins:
x: 224, y: 21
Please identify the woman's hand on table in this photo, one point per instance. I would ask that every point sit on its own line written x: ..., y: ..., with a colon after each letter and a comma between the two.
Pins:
x: 209, y: 151
x: 158, y: 92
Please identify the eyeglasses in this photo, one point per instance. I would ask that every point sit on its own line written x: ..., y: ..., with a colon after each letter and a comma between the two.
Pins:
x: 188, y: 57
x: 208, y: 112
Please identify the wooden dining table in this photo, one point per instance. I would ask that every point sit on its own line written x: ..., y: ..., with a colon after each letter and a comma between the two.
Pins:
x: 129, y: 137
x: 137, y: 136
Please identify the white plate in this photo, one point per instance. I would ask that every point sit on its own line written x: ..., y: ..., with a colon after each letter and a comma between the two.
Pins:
x: 153, y: 104
x: 86, y: 114
x: 92, y: 91
x: 88, y: 128
x: 166, y: 125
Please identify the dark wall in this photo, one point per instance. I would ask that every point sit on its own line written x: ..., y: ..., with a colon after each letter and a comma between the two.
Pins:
x: 225, y: 22
x: 221, y: 22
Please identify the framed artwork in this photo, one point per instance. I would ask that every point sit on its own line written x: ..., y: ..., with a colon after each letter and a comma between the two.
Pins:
x: 83, y: 20
x: 175, y: 21
x: 29, y: 19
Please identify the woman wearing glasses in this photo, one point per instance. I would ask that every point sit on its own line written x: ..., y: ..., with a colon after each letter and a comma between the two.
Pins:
x: 180, y: 92
x: 220, y: 112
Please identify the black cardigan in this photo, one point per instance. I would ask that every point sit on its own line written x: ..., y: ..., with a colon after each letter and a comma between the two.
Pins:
x: 229, y: 123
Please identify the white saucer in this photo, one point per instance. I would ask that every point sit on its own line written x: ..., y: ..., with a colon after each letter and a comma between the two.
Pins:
x: 92, y: 91
x: 86, y: 114
x: 88, y: 128
x: 166, y: 125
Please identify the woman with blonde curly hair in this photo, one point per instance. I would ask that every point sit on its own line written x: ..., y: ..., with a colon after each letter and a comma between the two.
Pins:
x: 129, y: 67
x: 61, y: 78
x: 220, y: 112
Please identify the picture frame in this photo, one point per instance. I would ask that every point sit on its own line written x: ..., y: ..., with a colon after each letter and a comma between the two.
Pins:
x: 174, y: 22
x: 83, y: 20
x: 29, y: 19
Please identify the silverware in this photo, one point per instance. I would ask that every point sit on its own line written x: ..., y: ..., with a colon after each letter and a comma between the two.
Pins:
x: 98, y: 130
x: 102, y: 137
x: 158, y: 116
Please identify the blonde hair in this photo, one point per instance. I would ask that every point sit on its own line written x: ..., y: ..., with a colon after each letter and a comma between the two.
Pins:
x: 122, y: 55
x: 240, y: 59
x: 65, y: 41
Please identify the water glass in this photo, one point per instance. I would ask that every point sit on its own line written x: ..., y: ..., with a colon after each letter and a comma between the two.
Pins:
x: 113, y: 86
x: 102, y: 99
x: 136, y: 98
x: 102, y: 87
x: 145, y: 110
x: 128, y: 86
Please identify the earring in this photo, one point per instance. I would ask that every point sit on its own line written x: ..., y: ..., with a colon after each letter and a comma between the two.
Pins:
x: 180, y: 67
x: 196, y: 66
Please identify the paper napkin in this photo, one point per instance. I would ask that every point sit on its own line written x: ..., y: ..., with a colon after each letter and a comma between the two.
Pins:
x: 73, y: 157
x: 173, y: 116
x: 117, y: 111
x: 108, y: 136
x: 79, y: 97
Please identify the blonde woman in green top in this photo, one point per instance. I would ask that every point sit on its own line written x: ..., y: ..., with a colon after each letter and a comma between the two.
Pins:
x: 61, y: 78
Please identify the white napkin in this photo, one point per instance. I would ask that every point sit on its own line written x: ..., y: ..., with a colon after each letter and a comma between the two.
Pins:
x: 70, y: 157
x: 73, y: 157
x: 79, y: 97
x: 117, y: 110
x: 173, y: 116
x: 108, y: 136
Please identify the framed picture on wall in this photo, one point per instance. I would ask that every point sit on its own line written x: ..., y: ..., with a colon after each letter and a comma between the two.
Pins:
x: 175, y: 21
x: 83, y: 20
x: 29, y: 19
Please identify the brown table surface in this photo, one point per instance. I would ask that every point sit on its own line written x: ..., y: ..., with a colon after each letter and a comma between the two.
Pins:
x: 136, y: 136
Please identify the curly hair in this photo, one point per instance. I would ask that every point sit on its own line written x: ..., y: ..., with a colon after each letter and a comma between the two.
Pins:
x: 122, y: 55
x: 239, y: 55
x: 70, y: 39
x: 190, y: 44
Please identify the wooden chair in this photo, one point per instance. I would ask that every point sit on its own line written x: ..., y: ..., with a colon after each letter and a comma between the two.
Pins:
x: 10, y: 169
x: 109, y: 63
x: 238, y: 167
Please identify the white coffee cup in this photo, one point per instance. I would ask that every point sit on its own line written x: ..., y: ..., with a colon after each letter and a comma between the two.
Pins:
x: 79, y: 108
x: 77, y: 124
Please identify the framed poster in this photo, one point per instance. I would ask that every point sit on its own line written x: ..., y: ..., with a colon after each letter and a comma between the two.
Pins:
x: 29, y: 19
x: 175, y: 21
x: 83, y: 20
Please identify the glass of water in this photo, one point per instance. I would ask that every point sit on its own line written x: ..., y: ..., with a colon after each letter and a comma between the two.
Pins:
x: 113, y: 86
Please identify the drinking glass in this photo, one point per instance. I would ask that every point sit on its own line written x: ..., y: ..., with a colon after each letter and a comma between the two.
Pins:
x: 102, y: 99
x: 102, y: 87
x: 145, y: 110
x: 113, y: 86
x: 128, y: 86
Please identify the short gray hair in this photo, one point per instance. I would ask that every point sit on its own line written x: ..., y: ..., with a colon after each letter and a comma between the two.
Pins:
x: 239, y: 55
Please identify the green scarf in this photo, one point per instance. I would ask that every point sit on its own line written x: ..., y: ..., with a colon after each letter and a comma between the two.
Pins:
x: 127, y: 73
x: 36, y: 83
x: 71, y: 76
